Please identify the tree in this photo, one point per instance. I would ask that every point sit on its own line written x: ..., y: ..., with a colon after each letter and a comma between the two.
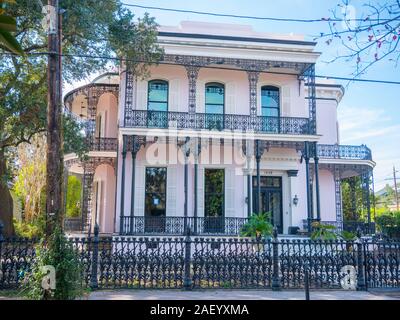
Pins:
x: 73, y: 198
x: 368, y: 39
x: 8, y: 24
x: 91, y: 29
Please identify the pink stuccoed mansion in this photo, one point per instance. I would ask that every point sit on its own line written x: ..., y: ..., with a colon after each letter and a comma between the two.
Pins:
x: 229, y: 123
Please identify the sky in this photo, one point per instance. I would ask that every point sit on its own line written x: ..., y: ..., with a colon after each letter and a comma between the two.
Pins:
x: 368, y: 113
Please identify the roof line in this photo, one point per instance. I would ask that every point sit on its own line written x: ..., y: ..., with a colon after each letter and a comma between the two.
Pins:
x: 232, y: 38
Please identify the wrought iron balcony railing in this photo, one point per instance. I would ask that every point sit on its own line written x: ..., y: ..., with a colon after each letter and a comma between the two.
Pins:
x: 103, y: 144
x: 335, y: 151
x: 178, y: 225
x: 219, y: 122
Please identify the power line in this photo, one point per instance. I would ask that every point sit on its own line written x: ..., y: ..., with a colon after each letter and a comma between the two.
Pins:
x: 252, y: 17
x: 212, y: 67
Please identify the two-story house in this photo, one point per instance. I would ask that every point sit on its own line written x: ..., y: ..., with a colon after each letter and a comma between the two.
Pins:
x: 230, y: 122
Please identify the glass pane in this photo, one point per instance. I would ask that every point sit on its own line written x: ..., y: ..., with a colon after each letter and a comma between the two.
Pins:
x: 158, y: 106
x: 270, y: 112
x: 158, y: 91
x: 214, y: 192
x: 275, y: 208
x: 215, y: 94
x: 214, y: 180
x: 214, y: 205
x: 270, y: 101
x: 156, y: 180
x: 217, y: 109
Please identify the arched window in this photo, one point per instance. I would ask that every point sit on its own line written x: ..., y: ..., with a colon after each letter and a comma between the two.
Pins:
x: 215, y: 98
x: 270, y: 101
x: 157, y: 95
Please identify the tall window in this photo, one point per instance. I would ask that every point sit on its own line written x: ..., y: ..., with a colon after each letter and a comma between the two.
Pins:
x: 215, y: 105
x: 156, y: 186
x: 270, y: 101
x: 214, y: 197
x: 157, y: 95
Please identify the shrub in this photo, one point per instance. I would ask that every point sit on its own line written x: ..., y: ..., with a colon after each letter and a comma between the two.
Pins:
x: 389, y: 224
x: 323, y: 231
x: 259, y: 225
x: 59, y: 253
x: 34, y: 229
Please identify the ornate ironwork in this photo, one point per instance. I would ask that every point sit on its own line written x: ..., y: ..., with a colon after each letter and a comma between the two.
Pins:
x: 131, y: 262
x: 87, y: 200
x: 218, y: 122
x: 104, y: 144
x: 129, y: 84
x: 338, y: 197
x: 232, y: 263
x: 253, y: 80
x: 309, y: 77
x: 335, y: 151
x: 192, y: 73
x: 324, y: 261
x: 140, y: 225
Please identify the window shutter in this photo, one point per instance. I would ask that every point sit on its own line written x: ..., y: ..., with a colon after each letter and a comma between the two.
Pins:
x: 229, y: 192
x: 171, y: 191
x: 230, y: 95
x: 141, y: 102
x: 173, y: 103
x: 200, y: 192
x: 200, y: 96
x: 285, y: 109
x: 139, y: 190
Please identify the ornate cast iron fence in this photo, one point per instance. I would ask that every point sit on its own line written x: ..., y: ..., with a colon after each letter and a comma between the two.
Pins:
x: 335, y: 151
x: 224, y: 226
x: 219, y: 122
x: 192, y: 262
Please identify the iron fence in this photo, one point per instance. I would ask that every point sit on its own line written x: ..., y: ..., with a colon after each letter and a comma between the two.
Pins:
x: 199, y: 262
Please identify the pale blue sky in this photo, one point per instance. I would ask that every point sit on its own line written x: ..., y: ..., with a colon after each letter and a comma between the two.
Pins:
x: 369, y: 113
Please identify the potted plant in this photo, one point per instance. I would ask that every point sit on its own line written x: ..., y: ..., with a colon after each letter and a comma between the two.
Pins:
x: 323, y: 231
x: 258, y: 226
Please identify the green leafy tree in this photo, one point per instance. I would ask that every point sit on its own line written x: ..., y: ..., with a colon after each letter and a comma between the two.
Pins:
x: 8, y: 25
x: 73, y: 200
x: 91, y: 29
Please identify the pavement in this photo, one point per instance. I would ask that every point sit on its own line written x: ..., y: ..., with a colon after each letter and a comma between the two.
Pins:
x: 166, y: 294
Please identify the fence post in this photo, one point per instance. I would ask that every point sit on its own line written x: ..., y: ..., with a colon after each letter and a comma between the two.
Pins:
x: 95, y: 257
x: 187, y: 279
x: 276, y: 284
x: 1, y: 243
x: 361, y: 286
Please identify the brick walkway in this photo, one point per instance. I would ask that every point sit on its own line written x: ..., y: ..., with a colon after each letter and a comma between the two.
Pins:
x: 239, y: 295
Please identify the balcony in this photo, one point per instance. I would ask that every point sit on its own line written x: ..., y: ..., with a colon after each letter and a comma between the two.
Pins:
x: 215, y: 226
x: 335, y: 151
x: 219, y: 122
x: 103, y: 144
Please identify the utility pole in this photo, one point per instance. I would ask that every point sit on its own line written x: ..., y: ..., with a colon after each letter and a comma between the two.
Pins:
x: 395, y: 188
x: 54, y: 167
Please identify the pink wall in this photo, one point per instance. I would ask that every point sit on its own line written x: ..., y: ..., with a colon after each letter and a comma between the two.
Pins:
x: 107, y: 106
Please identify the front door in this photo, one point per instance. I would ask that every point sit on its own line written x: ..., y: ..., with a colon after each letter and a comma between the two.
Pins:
x: 270, y: 199
x: 155, y: 199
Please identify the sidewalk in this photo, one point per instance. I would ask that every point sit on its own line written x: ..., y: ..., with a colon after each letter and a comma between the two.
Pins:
x: 239, y: 295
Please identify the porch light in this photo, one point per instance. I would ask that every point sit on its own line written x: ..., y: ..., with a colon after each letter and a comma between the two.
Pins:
x: 295, y: 200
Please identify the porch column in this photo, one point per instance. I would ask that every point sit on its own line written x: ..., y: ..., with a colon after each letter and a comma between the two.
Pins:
x: 121, y: 214
x: 134, y: 151
x: 87, y: 199
x: 352, y: 184
x: 186, y: 176
x: 338, y: 197
x: 258, y: 185
x: 316, y: 168
x: 192, y: 73
x: 306, y: 156
x: 196, y: 154
x: 366, y: 187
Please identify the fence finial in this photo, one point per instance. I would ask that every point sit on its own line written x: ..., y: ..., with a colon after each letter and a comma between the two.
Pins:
x: 96, y: 229
x: 275, y: 233
x: 359, y: 234
x: 1, y: 229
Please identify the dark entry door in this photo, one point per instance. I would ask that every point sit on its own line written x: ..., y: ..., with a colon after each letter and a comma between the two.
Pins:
x: 270, y: 199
